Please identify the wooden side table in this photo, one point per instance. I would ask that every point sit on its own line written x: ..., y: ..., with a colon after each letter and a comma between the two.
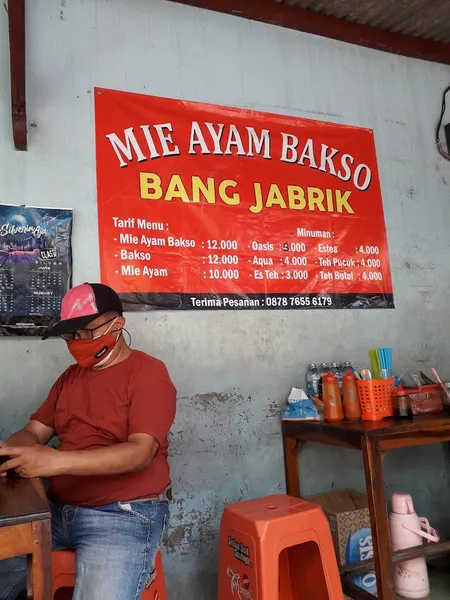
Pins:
x: 25, y: 529
x: 374, y: 439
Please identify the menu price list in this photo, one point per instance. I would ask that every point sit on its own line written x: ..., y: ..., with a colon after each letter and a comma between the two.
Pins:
x: 232, y: 204
x: 226, y: 273
x: 294, y: 265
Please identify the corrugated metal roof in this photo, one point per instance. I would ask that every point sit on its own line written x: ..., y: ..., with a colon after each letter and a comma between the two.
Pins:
x: 427, y: 19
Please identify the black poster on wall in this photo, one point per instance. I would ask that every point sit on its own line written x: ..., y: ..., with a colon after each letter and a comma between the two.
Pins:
x: 35, y: 267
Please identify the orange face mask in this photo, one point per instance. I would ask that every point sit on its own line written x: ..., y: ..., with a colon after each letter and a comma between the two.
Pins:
x: 92, y: 353
x: 96, y: 352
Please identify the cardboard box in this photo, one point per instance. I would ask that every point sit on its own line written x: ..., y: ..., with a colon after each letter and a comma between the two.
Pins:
x: 348, y: 515
x: 347, y: 512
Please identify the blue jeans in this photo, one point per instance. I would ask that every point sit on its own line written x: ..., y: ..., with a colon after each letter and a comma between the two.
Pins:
x: 115, y: 549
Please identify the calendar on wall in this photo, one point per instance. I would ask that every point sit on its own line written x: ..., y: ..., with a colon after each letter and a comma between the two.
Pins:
x: 35, y: 267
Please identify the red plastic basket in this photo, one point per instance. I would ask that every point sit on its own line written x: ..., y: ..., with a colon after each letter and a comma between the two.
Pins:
x: 375, y: 397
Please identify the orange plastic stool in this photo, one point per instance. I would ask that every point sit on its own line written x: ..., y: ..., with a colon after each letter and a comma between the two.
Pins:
x: 64, y: 570
x: 277, y: 548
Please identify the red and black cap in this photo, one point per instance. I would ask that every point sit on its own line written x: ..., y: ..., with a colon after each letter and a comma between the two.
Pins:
x: 83, y: 304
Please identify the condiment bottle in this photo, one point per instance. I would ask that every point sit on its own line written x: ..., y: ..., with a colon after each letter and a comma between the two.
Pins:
x: 332, y: 398
x: 403, y: 408
x: 352, y: 409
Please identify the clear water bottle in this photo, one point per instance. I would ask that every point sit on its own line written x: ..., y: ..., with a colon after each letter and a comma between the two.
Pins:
x: 341, y: 374
x: 336, y: 371
x: 347, y: 366
x: 312, y: 380
x: 324, y: 368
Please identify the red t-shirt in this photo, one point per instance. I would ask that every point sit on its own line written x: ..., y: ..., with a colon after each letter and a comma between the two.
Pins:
x: 91, y: 409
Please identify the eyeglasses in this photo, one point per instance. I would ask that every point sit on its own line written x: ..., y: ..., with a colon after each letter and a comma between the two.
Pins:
x: 84, y: 334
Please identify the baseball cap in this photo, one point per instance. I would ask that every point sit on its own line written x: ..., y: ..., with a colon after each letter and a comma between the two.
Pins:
x: 82, y: 304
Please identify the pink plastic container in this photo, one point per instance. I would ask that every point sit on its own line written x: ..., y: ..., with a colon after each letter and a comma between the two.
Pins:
x: 407, y: 531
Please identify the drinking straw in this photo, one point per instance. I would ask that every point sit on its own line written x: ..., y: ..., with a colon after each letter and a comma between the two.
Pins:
x: 375, y: 363
x: 385, y: 360
x: 435, y: 373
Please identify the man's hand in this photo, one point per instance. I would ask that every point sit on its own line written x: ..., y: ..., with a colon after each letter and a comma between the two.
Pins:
x: 2, y: 445
x: 32, y: 461
x: 41, y: 461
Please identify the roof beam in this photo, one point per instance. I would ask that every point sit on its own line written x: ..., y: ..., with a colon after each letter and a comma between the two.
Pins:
x: 16, y: 19
x: 293, y: 17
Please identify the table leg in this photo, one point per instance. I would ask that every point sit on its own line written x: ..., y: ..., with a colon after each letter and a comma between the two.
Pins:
x: 378, y: 519
x: 291, y: 447
x: 39, y: 576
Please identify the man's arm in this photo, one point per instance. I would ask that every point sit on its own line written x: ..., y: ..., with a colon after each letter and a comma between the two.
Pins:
x: 33, y: 433
x: 132, y: 455
x: 41, y: 461
x: 40, y: 428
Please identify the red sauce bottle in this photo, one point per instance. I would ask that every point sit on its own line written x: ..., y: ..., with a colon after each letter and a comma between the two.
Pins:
x: 332, y: 399
x: 352, y: 408
x: 402, y: 404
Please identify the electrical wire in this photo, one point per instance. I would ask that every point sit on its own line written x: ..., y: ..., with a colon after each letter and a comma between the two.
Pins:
x: 441, y: 150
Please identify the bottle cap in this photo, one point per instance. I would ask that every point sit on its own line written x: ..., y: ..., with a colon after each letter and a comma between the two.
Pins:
x: 329, y: 378
x: 401, y: 391
x: 349, y: 376
x: 402, y: 504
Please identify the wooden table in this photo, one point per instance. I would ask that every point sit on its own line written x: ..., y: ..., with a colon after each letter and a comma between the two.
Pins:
x: 373, y: 439
x: 25, y: 529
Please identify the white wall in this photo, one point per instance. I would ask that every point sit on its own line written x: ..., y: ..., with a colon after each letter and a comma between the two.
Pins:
x: 233, y: 370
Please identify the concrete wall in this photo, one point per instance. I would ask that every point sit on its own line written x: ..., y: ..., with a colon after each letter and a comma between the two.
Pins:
x: 233, y: 369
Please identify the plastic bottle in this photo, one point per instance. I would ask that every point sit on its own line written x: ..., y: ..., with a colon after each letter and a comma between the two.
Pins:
x: 348, y: 365
x: 324, y: 368
x: 402, y: 404
x: 341, y: 372
x: 332, y: 398
x: 352, y: 409
x: 336, y: 372
x: 312, y: 381
x: 407, y: 531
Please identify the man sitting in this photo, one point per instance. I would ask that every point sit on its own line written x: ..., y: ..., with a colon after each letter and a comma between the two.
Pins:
x: 109, y: 479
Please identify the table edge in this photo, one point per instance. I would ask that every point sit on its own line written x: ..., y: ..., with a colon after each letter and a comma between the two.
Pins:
x: 20, y: 519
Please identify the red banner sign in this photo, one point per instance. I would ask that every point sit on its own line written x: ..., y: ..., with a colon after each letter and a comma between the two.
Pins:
x: 209, y: 207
